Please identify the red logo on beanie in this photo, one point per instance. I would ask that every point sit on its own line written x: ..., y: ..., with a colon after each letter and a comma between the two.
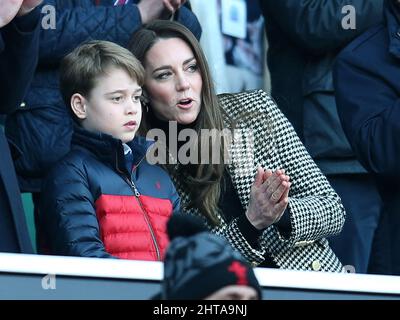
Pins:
x: 240, y: 271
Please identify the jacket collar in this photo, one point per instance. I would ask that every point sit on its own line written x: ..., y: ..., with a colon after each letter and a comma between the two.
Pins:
x: 108, y: 149
x: 392, y: 17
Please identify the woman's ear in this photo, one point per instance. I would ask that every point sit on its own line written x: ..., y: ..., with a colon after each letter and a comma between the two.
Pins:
x: 78, y: 106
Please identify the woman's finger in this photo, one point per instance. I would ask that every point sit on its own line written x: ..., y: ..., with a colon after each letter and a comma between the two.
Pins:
x: 274, y: 185
x: 267, y: 174
x: 280, y: 208
x: 277, y: 194
x: 267, y: 183
x: 168, y: 5
x: 285, y: 194
x: 259, y: 177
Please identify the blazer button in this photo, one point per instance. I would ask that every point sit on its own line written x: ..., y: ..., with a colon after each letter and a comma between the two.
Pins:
x: 22, y: 105
x: 316, y: 265
x: 303, y: 243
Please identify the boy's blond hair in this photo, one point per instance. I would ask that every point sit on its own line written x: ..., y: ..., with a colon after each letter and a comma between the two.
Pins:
x: 81, y: 68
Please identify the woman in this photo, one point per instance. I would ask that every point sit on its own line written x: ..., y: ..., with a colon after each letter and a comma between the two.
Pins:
x: 277, y: 219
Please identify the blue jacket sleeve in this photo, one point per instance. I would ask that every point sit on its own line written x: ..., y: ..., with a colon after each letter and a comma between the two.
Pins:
x: 67, y: 214
x: 316, y: 25
x: 19, y: 46
x: 369, y: 110
x: 76, y: 24
x: 190, y: 21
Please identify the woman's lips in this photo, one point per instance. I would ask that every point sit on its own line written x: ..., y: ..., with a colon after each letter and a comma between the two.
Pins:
x: 185, y: 103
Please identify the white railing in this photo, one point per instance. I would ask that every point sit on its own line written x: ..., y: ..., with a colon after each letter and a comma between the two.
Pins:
x: 153, y: 271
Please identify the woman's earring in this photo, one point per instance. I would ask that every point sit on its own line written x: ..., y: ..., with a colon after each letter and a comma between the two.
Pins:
x: 145, y: 103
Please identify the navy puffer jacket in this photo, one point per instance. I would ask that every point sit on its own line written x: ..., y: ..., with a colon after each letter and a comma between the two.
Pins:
x: 41, y: 128
x: 94, y: 207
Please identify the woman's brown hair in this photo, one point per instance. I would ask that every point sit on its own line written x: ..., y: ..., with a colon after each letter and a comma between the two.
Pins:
x: 202, y: 181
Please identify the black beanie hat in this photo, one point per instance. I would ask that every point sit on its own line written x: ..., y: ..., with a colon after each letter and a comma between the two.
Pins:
x: 198, y: 263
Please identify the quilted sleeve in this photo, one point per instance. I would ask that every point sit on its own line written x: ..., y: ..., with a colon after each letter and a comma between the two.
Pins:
x: 20, y: 41
x: 76, y: 24
x: 190, y: 21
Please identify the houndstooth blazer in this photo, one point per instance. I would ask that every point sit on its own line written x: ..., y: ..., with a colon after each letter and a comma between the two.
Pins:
x: 263, y: 136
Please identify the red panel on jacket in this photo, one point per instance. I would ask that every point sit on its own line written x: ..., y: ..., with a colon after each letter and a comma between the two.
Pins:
x: 124, y: 225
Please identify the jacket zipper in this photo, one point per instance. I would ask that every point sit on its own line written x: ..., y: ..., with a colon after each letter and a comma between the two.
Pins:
x: 137, y: 194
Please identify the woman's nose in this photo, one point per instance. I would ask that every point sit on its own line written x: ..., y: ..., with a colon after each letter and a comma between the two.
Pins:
x: 182, y: 83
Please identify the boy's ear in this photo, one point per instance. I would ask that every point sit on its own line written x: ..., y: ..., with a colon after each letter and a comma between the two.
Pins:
x: 78, y: 105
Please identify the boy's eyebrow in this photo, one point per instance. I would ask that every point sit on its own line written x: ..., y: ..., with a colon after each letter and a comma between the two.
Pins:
x: 137, y: 90
x: 169, y: 67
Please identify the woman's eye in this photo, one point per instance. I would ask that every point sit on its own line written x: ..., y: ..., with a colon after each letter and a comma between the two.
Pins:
x: 162, y: 76
x: 192, y: 68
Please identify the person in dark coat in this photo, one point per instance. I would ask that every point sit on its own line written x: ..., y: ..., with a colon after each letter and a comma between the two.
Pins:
x: 19, y: 44
x: 304, y: 38
x: 41, y: 127
x: 366, y: 78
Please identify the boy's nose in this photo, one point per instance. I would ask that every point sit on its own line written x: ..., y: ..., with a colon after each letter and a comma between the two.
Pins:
x: 132, y: 107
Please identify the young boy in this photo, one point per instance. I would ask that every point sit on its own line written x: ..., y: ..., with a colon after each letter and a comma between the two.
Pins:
x: 104, y: 199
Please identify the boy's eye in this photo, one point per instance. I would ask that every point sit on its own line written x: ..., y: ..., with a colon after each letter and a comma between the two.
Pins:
x: 137, y: 98
x: 117, y: 99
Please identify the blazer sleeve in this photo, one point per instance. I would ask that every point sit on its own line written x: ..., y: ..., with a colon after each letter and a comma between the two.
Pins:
x: 67, y: 213
x: 316, y: 25
x: 19, y: 47
x: 314, y: 211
